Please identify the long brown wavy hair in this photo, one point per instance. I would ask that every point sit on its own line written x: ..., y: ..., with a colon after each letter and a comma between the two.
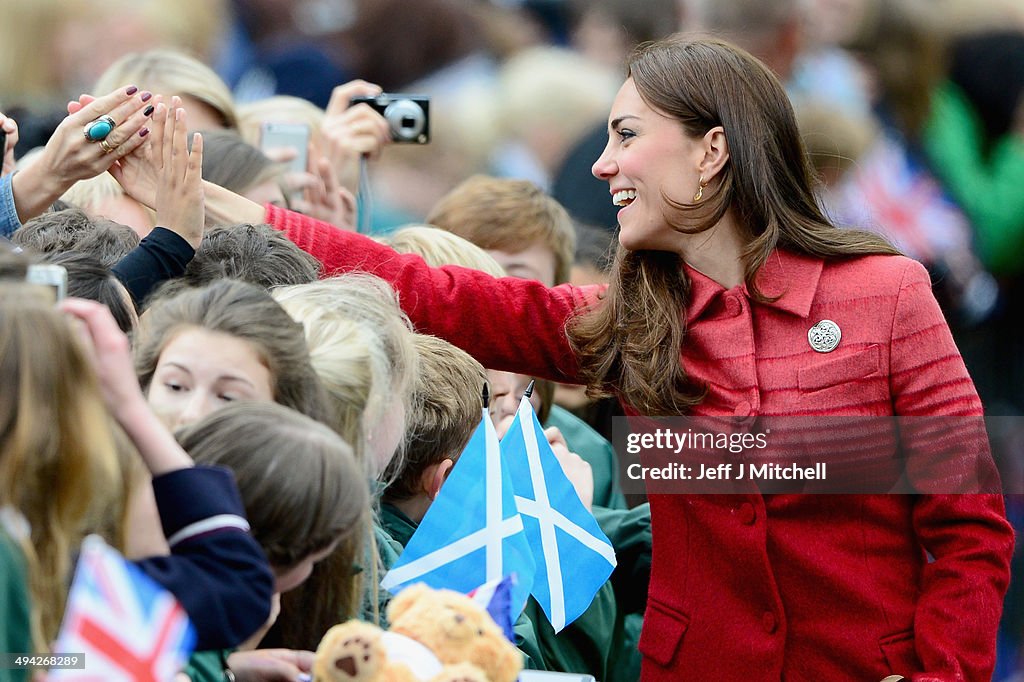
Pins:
x: 629, y: 345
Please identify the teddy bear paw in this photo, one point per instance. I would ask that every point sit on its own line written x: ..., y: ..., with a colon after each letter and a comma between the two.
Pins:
x: 354, y: 655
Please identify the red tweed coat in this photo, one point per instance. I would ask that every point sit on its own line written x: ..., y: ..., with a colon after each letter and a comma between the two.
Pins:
x: 753, y: 587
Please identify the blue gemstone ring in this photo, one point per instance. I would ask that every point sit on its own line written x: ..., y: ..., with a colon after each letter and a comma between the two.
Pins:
x: 99, y: 129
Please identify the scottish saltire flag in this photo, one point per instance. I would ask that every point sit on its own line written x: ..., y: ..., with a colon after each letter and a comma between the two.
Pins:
x: 472, y: 532
x: 496, y: 597
x: 574, y: 557
x: 129, y: 627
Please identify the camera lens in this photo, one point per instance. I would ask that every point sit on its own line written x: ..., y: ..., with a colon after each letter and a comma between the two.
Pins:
x: 406, y: 119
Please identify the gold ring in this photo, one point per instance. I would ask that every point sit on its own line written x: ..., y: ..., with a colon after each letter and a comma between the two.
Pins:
x: 105, y: 146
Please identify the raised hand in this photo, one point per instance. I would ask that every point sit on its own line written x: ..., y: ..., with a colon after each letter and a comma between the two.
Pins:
x: 323, y: 197
x: 10, y: 127
x: 139, y: 173
x: 69, y: 156
x: 179, y: 191
x: 109, y: 350
x: 351, y: 132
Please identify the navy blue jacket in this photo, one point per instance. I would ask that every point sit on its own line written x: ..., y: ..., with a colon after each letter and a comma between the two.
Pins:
x: 216, y: 569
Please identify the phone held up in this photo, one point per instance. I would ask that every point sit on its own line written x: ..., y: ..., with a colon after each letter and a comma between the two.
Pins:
x: 54, y: 277
x: 407, y: 115
x: 275, y: 137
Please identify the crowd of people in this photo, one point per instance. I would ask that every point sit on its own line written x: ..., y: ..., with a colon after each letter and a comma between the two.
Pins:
x: 261, y: 377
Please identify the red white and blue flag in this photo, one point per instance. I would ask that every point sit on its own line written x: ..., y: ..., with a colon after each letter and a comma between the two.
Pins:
x: 496, y: 597
x: 891, y: 193
x: 129, y: 627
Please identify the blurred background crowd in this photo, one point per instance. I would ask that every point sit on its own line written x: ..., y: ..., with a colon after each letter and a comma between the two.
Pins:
x: 913, y: 111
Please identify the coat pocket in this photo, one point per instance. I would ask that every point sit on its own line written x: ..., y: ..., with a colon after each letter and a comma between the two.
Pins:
x: 832, y: 371
x: 900, y: 654
x: 662, y: 633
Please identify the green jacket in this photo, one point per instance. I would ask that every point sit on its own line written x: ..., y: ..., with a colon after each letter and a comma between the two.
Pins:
x: 208, y: 666
x: 985, y: 186
x: 15, y: 625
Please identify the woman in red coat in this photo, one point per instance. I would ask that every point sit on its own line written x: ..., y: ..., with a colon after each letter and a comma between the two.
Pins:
x: 732, y: 294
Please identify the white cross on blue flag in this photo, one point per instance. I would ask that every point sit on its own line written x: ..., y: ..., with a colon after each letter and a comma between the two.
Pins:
x: 472, y: 533
x: 574, y: 557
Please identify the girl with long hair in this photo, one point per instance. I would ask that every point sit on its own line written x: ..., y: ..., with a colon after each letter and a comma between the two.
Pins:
x: 58, y: 469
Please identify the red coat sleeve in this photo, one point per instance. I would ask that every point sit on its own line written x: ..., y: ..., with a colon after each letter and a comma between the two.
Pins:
x: 968, y: 536
x: 508, y: 324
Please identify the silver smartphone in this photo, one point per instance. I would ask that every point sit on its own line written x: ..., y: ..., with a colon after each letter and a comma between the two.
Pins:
x: 53, y: 276
x: 294, y: 136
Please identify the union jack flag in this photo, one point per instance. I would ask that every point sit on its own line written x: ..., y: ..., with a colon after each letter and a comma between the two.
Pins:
x: 129, y: 627
x: 892, y: 193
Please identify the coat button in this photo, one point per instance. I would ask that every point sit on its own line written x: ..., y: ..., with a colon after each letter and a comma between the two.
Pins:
x: 747, y: 514
x: 769, y: 622
x: 733, y: 307
x: 743, y: 409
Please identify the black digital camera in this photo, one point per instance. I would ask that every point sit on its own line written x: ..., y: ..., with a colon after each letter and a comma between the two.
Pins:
x: 408, y: 115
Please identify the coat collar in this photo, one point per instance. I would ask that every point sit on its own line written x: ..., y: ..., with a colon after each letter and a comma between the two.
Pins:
x: 790, y: 278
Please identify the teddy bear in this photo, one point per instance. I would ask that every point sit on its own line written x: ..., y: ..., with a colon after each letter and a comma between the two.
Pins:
x: 435, y: 636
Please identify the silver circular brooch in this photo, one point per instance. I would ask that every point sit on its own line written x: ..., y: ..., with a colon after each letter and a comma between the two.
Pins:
x: 824, y: 336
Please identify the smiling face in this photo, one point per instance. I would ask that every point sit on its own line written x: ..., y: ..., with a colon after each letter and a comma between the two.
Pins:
x: 200, y: 371
x: 648, y: 157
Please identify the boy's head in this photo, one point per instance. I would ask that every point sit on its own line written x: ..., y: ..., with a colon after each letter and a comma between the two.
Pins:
x: 446, y: 411
x: 254, y: 253
x: 527, y: 231
x: 74, y: 230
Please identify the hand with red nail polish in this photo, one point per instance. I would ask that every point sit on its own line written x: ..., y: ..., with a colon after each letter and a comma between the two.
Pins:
x: 69, y: 156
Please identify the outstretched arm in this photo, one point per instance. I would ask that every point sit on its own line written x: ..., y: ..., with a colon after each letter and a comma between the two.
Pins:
x: 508, y: 324
x: 178, y: 198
